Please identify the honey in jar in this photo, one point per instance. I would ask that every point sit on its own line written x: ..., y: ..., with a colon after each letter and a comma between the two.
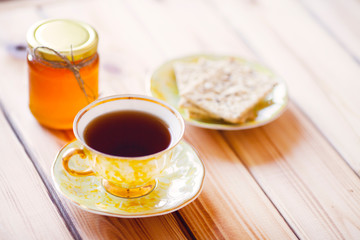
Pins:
x: 63, y: 69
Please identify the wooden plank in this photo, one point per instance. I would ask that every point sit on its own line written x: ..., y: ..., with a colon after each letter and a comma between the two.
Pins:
x: 89, y: 226
x: 250, y: 216
x: 322, y: 77
x: 26, y: 209
x: 125, y: 61
x: 222, y: 166
x: 232, y: 206
x: 306, y: 179
x: 313, y: 222
x: 9, y: 4
x: 199, y: 32
x: 341, y: 20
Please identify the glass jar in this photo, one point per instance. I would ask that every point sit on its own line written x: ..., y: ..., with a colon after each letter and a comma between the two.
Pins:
x: 63, y: 66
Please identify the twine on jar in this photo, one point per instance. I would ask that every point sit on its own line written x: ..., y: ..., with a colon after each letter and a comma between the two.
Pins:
x: 74, y: 68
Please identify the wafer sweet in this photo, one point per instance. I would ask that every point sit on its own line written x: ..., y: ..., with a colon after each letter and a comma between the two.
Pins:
x: 221, y: 89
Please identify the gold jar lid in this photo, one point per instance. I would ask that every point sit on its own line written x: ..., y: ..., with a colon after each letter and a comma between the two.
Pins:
x: 73, y: 39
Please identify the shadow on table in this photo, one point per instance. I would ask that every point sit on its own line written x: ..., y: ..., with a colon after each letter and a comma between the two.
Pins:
x: 134, y: 228
x: 272, y: 142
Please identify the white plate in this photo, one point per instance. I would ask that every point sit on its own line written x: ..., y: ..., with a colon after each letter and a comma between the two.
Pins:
x: 162, y: 85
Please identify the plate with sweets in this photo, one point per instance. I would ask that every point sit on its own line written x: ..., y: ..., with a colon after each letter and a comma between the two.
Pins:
x: 220, y: 92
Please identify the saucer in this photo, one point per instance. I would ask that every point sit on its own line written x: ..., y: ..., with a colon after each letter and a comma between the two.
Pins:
x: 178, y: 185
x: 162, y: 85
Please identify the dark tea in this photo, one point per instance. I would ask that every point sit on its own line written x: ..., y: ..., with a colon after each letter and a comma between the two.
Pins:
x: 127, y: 134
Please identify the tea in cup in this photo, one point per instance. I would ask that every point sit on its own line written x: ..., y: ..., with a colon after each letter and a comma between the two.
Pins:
x: 128, y: 139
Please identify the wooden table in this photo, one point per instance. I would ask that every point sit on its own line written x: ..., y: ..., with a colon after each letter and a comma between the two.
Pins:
x: 295, y: 178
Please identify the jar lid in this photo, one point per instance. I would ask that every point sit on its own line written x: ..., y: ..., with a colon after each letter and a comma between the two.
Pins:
x: 74, y: 39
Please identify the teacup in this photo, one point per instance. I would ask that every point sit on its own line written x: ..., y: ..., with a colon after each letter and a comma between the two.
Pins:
x: 125, y: 176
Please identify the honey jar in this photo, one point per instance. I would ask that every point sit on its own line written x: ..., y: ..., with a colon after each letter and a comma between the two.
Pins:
x: 63, y: 66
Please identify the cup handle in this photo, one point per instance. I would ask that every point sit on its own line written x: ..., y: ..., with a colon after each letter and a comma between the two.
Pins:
x: 66, y: 158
